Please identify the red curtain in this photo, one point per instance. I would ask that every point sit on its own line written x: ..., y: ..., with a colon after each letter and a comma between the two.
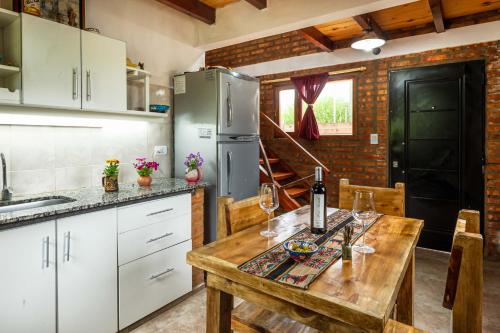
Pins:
x: 309, y: 88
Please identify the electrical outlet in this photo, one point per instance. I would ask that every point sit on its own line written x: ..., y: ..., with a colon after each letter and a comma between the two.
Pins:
x: 374, y: 139
x: 160, y: 150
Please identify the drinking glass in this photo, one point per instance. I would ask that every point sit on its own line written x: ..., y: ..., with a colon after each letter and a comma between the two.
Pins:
x: 268, y: 202
x: 363, y: 210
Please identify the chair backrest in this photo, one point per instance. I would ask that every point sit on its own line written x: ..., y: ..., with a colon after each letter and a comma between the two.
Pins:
x: 464, y: 283
x: 388, y: 201
x: 234, y: 216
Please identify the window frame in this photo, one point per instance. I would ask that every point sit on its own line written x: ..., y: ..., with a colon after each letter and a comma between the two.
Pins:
x: 298, y: 105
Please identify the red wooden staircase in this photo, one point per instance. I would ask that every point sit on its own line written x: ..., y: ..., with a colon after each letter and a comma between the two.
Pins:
x: 293, y: 190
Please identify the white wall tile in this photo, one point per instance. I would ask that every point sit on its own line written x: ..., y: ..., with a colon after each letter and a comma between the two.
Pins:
x: 33, y: 181
x: 32, y: 148
x: 5, y: 148
x: 73, y: 177
x: 73, y: 145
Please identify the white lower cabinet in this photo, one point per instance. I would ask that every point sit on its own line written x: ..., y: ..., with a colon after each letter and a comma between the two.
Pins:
x: 28, y: 279
x: 149, y: 283
x: 87, y: 273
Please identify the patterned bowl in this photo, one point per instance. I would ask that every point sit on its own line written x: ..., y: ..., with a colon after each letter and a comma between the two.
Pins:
x: 300, y: 250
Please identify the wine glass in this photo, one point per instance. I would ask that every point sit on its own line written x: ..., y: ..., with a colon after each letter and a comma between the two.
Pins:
x: 363, y: 210
x: 268, y: 201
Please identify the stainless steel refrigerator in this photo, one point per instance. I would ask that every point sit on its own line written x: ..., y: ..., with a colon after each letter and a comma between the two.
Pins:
x: 216, y: 113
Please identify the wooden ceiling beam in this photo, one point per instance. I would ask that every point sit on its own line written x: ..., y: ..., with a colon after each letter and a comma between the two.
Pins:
x: 316, y: 37
x: 366, y: 22
x: 193, y: 8
x: 259, y: 4
x: 437, y: 15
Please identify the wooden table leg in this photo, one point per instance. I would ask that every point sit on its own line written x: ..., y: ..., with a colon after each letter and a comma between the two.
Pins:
x: 219, y: 306
x: 406, y: 296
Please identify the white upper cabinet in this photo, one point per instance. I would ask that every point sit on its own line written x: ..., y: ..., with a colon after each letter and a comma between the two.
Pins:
x: 104, y: 77
x: 28, y: 279
x: 87, y: 273
x: 51, y: 71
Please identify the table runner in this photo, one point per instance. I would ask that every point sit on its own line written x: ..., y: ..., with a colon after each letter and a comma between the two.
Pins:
x: 275, y: 263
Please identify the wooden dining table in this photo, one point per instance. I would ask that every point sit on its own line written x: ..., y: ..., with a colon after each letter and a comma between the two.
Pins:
x: 357, y: 295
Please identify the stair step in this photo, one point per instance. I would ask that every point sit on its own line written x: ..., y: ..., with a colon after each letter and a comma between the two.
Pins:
x: 296, y: 191
x: 281, y: 175
x: 271, y: 161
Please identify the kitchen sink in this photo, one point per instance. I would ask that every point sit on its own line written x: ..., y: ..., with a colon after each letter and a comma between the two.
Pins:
x: 17, y: 205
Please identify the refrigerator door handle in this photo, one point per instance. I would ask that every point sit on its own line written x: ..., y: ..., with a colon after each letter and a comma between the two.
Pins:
x: 229, y: 122
x: 229, y: 167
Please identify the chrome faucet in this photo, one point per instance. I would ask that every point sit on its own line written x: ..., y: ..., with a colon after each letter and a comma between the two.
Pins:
x: 6, y: 192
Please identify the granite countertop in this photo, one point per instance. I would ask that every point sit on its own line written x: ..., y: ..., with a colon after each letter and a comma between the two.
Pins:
x: 91, y: 199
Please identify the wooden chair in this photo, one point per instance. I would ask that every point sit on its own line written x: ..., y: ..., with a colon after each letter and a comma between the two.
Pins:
x: 388, y: 201
x: 464, y: 283
x: 247, y: 317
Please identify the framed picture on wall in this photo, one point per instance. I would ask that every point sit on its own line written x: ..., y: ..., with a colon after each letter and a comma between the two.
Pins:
x: 69, y: 12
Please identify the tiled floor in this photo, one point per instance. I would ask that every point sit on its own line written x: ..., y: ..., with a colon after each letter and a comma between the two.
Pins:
x: 431, y: 267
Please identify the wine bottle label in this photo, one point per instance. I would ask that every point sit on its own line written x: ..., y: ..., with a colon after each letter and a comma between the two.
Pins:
x: 319, y: 211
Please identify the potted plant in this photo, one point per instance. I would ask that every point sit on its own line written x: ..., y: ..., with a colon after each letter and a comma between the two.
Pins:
x: 145, y: 169
x: 194, y: 171
x: 110, y: 175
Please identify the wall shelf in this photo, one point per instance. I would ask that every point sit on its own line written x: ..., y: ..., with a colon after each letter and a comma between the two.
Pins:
x: 134, y: 73
x: 7, y: 17
x: 8, y: 70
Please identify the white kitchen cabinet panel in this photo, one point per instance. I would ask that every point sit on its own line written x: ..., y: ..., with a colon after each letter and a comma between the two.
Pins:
x: 51, y: 59
x: 104, y: 74
x: 152, y: 282
x: 28, y: 279
x: 87, y: 273
x: 149, y: 212
x: 138, y: 243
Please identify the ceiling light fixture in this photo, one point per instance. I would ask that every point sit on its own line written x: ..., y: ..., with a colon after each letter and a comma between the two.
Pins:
x: 369, y: 41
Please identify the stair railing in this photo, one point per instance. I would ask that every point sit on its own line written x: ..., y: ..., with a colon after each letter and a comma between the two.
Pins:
x: 295, y: 143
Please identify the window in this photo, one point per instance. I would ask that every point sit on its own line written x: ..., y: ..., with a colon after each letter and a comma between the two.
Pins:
x: 333, y: 108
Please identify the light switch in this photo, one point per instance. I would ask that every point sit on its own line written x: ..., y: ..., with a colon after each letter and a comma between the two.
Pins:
x: 374, y: 139
x: 160, y: 150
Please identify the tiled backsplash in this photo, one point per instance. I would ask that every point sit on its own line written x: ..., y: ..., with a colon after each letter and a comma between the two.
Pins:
x: 47, y: 158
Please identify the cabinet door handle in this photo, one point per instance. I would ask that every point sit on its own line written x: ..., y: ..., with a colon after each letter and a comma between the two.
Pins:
x: 160, y: 212
x: 229, y: 121
x: 66, y: 246
x: 229, y: 167
x: 89, y: 86
x: 159, y: 237
x: 45, y: 252
x: 75, y: 83
x: 155, y: 276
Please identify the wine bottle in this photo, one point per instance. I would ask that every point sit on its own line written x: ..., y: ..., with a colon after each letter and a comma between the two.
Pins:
x: 318, y: 203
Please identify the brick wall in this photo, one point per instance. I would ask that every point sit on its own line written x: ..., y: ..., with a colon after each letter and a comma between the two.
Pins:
x: 354, y: 158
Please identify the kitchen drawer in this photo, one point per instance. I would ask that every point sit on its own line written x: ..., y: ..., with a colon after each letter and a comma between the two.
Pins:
x: 146, y: 213
x: 140, y: 242
x: 147, y: 284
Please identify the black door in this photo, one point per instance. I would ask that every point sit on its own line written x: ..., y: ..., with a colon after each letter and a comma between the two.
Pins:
x: 437, y: 144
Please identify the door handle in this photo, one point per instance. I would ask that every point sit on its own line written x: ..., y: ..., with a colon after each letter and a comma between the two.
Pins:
x: 75, y: 83
x: 160, y: 211
x: 229, y: 167
x: 159, y: 237
x: 89, y: 87
x: 66, y: 246
x: 155, y: 276
x: 45, y: 252
x: 229, y: 121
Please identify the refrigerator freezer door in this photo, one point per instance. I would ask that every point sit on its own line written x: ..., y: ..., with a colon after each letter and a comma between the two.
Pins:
x: 238, y: 105
x: 238, y: 169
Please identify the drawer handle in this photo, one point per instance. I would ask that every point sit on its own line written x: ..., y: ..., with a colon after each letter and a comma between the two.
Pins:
x: 155, y: 276
x: 160, y: 211
x: 159, y: 237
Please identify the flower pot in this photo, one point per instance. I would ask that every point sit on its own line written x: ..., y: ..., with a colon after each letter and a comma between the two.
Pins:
x: 346, y: 252
x: 110, y: 183
x: 193, y: 176
x: 144, y: 180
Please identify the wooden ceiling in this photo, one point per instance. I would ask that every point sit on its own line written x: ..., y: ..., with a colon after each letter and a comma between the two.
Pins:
x: 204, y: 10
x: 413, y: 18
